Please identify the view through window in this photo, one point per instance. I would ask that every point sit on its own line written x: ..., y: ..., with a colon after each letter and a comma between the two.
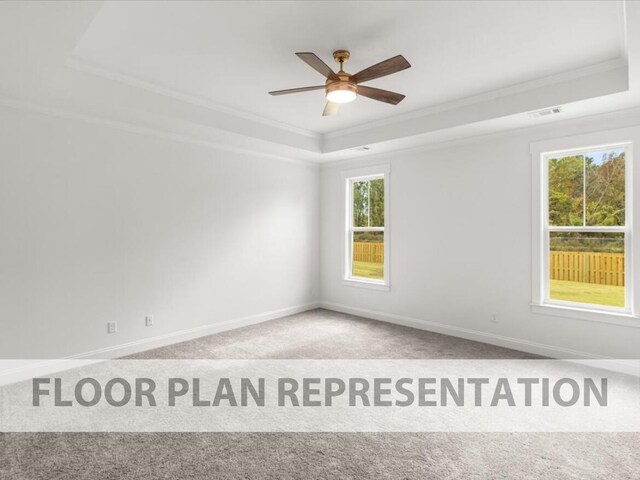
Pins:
x: 367, y: 228
x: 586, y: 228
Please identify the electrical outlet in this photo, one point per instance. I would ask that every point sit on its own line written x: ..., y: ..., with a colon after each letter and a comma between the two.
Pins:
x: 112, y: 327
x: 148, y: 321
x: 494, y: 318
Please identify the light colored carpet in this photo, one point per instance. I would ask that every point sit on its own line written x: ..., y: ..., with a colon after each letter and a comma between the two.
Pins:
x: 322, y: 334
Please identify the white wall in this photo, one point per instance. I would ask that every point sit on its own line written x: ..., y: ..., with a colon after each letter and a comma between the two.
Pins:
x: 99, y: 224
x: 460, y: 218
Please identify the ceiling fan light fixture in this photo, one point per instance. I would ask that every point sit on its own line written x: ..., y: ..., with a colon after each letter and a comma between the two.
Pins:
x: 341, y: 92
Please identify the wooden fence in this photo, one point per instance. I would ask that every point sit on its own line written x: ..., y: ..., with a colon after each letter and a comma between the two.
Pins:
x: 368, y: 252
x: 588, y: 267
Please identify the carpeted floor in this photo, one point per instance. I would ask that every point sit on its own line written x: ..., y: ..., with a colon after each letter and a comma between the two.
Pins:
x: 322, y: 334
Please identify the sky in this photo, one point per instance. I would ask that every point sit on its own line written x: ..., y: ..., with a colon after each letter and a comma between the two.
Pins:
x: 600, y: 155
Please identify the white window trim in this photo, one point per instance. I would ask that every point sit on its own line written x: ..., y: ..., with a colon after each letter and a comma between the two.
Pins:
x: 540, y: 152
x: 348, y: 176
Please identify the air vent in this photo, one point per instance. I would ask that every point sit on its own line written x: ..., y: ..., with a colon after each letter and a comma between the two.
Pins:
x: 546, y: 112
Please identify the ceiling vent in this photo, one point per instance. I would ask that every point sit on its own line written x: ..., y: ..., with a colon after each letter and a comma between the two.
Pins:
x: 546, y: 112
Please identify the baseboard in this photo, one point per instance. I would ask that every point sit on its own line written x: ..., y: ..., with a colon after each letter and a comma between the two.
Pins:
x: 630, y: 367
x: 23, y: 369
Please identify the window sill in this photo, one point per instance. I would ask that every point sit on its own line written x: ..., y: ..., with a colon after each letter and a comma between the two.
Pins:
x: 366, y: 284
x: 612, y: 318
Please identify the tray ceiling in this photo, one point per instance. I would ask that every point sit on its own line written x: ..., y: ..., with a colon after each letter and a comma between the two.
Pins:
x: 233, y: 53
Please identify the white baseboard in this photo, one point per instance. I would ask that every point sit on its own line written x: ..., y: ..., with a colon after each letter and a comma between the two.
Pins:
x: 631, y: 367
x: 191, y: 333
x: 24, y: 369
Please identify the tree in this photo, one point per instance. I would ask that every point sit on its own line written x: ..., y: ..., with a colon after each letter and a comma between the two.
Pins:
x: 361, y: 204
x: 605, y: 192
x: 377, y: 203
x: 566, y: 190
x: 587, y: 191
x: 368, y: 203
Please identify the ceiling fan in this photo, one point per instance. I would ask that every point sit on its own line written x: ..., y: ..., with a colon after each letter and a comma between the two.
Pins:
x: 342, y: 87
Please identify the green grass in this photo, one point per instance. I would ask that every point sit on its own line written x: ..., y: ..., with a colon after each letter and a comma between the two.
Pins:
x: 560, y: 289
x: 587, y: 293
x: 368, y: 270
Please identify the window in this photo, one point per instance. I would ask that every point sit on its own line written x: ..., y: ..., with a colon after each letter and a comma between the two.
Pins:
x: 586, y: 228
x: 367, y: 243
x: 583, y: 241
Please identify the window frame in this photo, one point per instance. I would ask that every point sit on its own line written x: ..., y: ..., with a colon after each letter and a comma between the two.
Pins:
x: 349, y: 178
x: 541, y: 153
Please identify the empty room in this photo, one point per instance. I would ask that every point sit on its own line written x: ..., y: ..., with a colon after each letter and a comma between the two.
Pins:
x: 319, y: 240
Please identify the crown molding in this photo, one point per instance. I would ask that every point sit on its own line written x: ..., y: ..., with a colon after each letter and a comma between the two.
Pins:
x: 617, y: 64
x: 602, y: 81
x: 145, y: 130
x: 86, y: 66
x: 588, y: 124
x: 395, y: 133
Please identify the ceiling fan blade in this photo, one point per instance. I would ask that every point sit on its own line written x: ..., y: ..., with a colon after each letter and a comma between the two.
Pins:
x: 331, y: 108
x: 296, y: 90
x: 381, y: 95
x: 387, y: 67
x: 318, y: 65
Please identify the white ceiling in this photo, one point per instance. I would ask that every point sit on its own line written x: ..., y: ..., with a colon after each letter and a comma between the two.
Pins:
x: 200, y: 71
x: 233, y: 53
